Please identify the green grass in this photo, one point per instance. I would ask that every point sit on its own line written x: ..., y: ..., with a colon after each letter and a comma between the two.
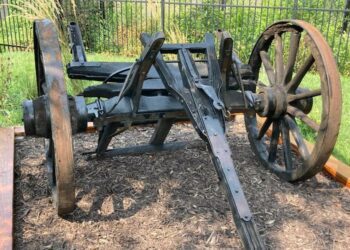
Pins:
x: 342, y: 149
x: 17, y: 83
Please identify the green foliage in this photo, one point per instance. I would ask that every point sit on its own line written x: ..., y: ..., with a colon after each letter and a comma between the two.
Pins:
x: 115, y: 26
x: 18, y: 82
x: 5, y: 78
x: 246, y: 20
x: 17, y: 31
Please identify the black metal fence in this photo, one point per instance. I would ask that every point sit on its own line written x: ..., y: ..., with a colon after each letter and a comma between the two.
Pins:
x: 110, y: 25
x: 13, y: 30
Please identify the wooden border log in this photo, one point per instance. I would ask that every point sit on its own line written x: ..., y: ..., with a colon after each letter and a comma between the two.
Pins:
x: 7, y: 151
x: 19, y: 131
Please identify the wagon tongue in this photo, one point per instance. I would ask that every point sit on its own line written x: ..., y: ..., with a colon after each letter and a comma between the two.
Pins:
x: 201, y: 101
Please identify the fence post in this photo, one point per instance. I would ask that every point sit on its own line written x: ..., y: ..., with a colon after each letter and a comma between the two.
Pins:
x: 346, y: 16
x: 3, y: 10
x: 162, y: 14
x: 223, y: 4
x: 295, y: 10
x: 103, y: 9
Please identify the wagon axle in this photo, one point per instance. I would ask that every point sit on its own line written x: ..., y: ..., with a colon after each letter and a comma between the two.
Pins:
x: 197, y: 86
x: 272, y: 102
x: 37, y: 121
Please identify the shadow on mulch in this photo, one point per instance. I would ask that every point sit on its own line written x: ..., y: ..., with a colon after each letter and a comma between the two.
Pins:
x: 172, y: 200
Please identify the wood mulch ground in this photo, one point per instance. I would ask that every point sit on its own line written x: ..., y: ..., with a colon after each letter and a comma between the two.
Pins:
x: 172, y: 200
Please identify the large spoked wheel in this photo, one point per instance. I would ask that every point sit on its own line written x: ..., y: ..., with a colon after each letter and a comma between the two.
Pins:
x: 298, y: 99
x: 59, y: 145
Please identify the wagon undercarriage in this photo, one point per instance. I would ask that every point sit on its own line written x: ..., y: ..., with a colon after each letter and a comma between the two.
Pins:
x: 171, y: 83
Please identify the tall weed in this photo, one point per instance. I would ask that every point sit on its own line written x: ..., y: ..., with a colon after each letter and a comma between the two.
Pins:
x: 5, y: 79
x: 53, y: 10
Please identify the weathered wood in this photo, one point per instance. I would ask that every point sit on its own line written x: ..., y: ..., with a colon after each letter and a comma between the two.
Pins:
x: 338, y: 170
x: 19, y: 131
x: 151, y: 148
x: 334, y: 167
x: 162, y: 130
x: 7, y: 149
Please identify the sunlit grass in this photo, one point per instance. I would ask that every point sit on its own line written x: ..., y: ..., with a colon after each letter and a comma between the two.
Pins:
x: 22, y: 82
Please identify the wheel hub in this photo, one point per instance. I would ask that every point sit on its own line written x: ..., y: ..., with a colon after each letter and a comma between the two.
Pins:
x: 271, y: 102
x: 37, y: 118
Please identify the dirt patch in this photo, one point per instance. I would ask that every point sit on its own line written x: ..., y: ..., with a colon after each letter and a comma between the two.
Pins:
x: 172, y: 200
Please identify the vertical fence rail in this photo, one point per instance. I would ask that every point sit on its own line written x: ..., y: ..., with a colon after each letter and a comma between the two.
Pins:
x: 115, y: 25
x: 13, y: 29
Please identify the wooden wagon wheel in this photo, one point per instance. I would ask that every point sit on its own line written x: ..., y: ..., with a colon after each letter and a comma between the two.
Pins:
x: 288, y: 97
x: 59, y: 145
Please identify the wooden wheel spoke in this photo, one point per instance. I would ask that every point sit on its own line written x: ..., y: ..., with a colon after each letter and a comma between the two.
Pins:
x: 295, y: 82
x: 293, y: 51
x: 287, y: 151
x: 274, y: 141
x: 279, y: 67
x: 302, y: 148
x: 268, y: 67
x: 264, y: 128
x: 280, y: 49
x: 295, y: 112
x: 304, y: 95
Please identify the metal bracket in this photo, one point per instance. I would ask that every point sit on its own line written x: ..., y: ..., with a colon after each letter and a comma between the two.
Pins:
x: 210, y: 92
